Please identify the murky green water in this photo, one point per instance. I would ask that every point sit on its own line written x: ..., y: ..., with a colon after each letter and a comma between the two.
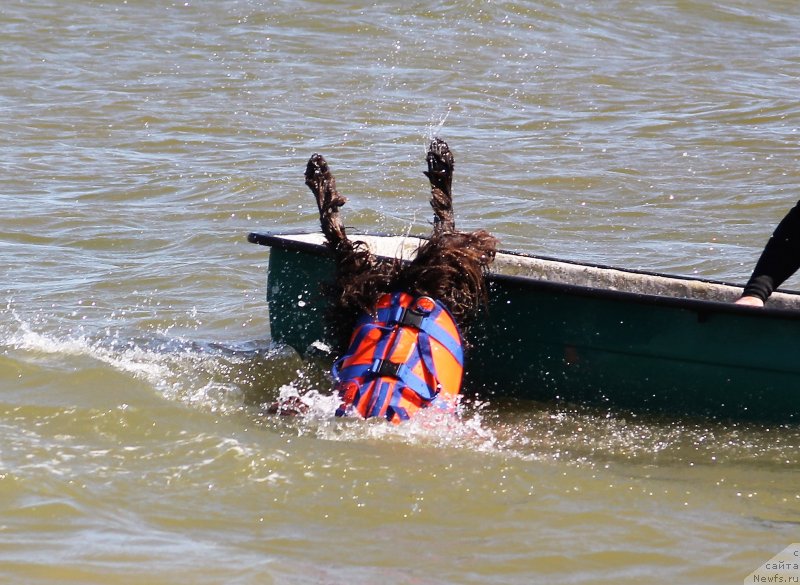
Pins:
x: 141, y: 141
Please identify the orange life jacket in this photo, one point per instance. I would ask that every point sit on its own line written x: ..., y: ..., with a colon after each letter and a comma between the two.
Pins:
x: 407, y: 356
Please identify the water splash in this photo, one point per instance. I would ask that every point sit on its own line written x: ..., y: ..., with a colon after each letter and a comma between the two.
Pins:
x: 464, y: 429
x: 242, y: 378
x: 435, y: 127
x: 211, y: 376
x: 135, y: 361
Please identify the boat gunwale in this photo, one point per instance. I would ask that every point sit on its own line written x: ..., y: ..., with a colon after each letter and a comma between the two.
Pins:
x: 705, y: 307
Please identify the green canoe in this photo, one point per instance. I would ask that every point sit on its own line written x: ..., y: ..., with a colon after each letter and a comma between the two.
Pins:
x: 575, y: 333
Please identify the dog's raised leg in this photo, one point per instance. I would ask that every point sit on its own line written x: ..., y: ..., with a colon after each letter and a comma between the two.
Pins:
x: 440, y: 174
x: 322, y: 184
x: 360, y: 275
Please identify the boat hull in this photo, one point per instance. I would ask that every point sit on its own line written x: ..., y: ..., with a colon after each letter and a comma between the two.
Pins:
x: 555, y: 341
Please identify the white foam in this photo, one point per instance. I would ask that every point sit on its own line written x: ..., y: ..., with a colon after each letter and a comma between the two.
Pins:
x: 137, y: 362
x: 463, y: 429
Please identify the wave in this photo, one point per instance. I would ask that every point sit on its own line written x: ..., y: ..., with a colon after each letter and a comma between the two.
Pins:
x: 241, y: 379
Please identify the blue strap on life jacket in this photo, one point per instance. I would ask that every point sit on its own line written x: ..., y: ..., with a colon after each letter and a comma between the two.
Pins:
x: 427, y: 323
x: 388, y: 320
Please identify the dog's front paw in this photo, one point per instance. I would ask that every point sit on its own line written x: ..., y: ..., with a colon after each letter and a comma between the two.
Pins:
x: 291, y: 406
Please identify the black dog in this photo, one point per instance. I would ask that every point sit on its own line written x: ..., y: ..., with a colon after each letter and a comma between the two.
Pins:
x: 400, y: 324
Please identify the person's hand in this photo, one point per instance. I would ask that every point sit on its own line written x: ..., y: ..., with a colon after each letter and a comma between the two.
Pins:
x: 750, y: 301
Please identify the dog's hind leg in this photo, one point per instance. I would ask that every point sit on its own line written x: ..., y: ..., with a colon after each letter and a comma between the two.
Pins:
x: 322, y: 184
x: 440, y: 174
x: 360, y: 275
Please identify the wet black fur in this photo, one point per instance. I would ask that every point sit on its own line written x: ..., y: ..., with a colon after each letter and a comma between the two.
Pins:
x: 450, y: 266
